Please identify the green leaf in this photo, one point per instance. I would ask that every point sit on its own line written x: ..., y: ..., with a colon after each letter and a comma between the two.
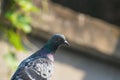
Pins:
x: 15, y: 39
x: 24, y: 23
x: 26, y: 28
x: 26, y: 5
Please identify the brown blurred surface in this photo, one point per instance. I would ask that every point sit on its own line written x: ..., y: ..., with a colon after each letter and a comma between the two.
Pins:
x: 108, y: 10
x: 91, y: 35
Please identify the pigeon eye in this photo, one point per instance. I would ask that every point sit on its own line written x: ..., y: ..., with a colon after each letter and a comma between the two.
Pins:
x: 58, y: 39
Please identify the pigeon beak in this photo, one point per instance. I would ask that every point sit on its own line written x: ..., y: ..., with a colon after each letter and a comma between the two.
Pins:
x: 66, y: 43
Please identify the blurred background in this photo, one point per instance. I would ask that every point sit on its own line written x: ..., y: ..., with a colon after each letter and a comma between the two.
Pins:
x: 91, y: 26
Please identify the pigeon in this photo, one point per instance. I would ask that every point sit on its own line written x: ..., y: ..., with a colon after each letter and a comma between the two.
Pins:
x: 39, y: 66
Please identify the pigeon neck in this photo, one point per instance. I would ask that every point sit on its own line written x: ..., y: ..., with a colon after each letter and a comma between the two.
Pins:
x: 49, y: 51
x: 51, y: 47
x: 50, y: 56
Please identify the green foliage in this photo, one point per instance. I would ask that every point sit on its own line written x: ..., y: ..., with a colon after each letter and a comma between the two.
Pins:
x: 19, y: 18
x: 15, y: 39
x: 18, y: 21
x: 26, y: 5
x: 11, y: 60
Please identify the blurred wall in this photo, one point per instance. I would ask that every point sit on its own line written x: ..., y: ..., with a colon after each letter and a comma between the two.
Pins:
x: 108, y: 10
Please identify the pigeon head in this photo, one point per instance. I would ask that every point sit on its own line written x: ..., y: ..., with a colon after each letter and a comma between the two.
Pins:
x: 58, y: 39
x: 55, y: 41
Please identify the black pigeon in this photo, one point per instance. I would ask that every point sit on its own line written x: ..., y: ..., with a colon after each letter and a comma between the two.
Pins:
x: 39, y: 66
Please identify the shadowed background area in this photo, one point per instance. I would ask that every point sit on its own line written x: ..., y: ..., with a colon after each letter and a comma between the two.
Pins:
x: 91, y: 27
x: 103, y: 9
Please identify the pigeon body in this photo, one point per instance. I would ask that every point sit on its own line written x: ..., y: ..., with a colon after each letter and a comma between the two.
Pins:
x: 39, y: 66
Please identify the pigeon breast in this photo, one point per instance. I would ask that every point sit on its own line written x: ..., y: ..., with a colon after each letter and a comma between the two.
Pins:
x: 38, y: 69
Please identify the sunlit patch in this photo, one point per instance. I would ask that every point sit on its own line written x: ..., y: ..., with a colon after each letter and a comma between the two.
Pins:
x: 67, y: 72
